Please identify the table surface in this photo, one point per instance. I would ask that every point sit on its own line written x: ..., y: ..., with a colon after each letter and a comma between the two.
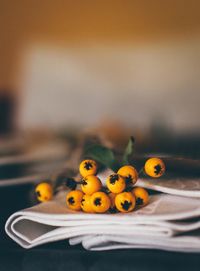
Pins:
x: 61, y: 256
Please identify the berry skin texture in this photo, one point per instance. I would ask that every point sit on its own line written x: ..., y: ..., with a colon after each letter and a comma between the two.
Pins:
x: 88, y: 167
x: 86, y: 204
x: 100, y: 202
x: 74, y: 199
x: 125, y: 202
x: 91, y: 184
x: 129, y: 173
x: 44, y: 192
x: 116, y: 183
x: 141, y: 196
x: 154, y: 167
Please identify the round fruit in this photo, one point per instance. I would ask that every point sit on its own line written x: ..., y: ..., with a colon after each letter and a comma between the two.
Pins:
x: 129, y: 173
x: 125, y: 202
x: 86, y: 204
x: 116, y: 183
x: 154, y: 167
x: 73, y: 199
x: 100, y: 202
x: 44, y: 192
x: 91, y: 184
x: 88, y: 167
x: 141, y: 196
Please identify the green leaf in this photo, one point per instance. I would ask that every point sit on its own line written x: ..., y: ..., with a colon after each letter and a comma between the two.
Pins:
x: 128, y: 151
x: 102, y: 155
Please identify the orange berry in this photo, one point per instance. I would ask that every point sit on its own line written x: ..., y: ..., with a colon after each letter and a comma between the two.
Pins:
x: 91, y: 184
x: 154, y: 167
x: 88, y: 167
x: 115, y: 183
x: 100, y: 202
x: 129, y: 173
x: 125, y: 202
x: 73, y: 199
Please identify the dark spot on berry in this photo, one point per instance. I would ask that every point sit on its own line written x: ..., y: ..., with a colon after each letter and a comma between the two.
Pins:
x: 129, y: 179
x: 71, y: 201
x: 82, y: 202
x: 126, y: 205
x: 114, y: 178
x: 84, y: 182
x: 139, y: 201
x: 113, y: 210
x: 97, y: 202
x: 38, y: 193
x: 158, y: 169
x: 88, y: 165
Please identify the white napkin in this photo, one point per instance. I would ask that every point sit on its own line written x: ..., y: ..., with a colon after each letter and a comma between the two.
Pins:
x: 107, y: 242
x: 167, y: 222
x: 186, y: 187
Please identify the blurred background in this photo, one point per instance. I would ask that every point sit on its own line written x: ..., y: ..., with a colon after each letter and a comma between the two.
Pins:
x: 87, y: 64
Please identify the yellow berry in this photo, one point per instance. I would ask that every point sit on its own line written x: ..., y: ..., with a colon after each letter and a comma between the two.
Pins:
x: 88, y: 167
x: 44, y: 192
x: 129, y: 173
x: 154, y: 167
x: 125, y: 202
x: 91, y: 184
x: 116, y: 183
x: 73, y: 199
x: 86, y: 205
x: 141, y: 196
x: 100, y: 202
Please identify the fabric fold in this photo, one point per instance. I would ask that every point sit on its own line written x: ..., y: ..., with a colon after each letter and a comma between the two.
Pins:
x: 167, y: 222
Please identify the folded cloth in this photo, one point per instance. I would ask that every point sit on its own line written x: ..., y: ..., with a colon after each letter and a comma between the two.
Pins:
x: 167, y: 222
x: 107, y: 242
x: 187, y: 187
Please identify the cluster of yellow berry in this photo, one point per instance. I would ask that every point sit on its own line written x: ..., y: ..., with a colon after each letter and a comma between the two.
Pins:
x: 119, y: 195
